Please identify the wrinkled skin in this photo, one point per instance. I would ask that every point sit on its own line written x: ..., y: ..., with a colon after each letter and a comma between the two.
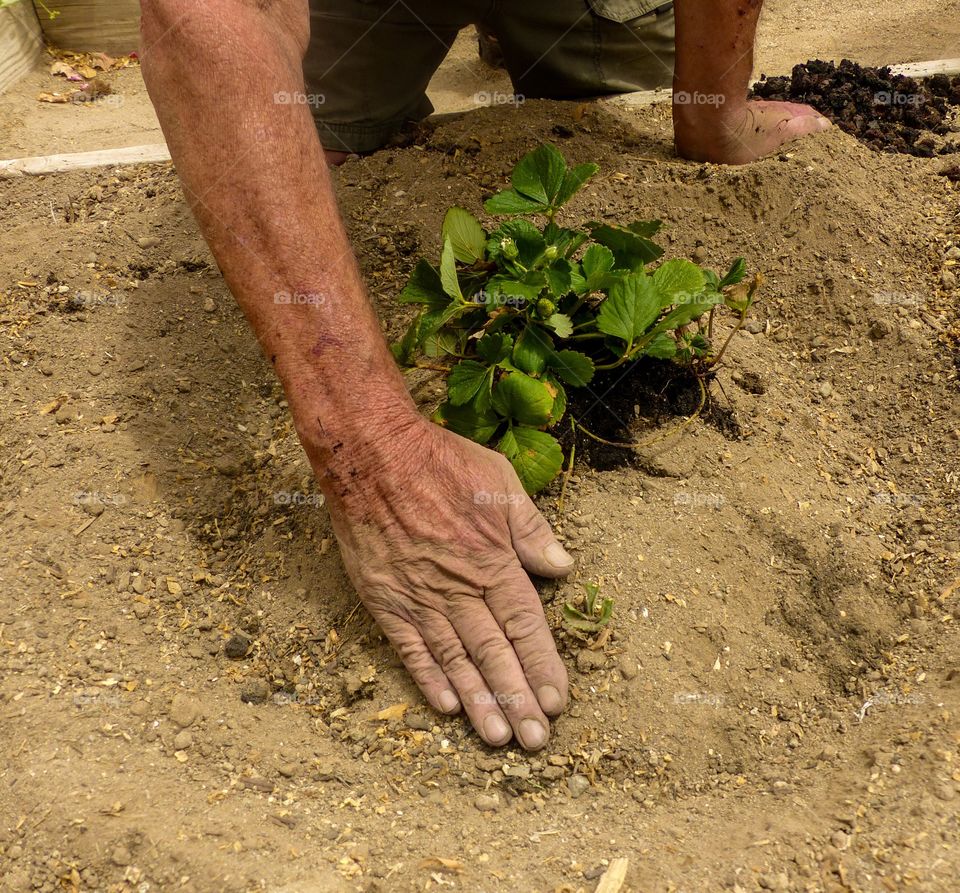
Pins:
x: 439, y: 554
x: 749, y: 131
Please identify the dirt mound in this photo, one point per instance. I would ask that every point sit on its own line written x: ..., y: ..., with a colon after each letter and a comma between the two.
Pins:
x: 190, y: 690
x: 889, y: 112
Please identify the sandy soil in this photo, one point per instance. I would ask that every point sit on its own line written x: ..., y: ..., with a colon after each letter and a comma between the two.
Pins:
x: 191, y: 699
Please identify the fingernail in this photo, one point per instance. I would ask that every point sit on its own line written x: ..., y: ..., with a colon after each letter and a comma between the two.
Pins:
x: 549, y: 699
x: 556, y: 555
x: 448, y: 701
x: 532, y: 734
x: 825, y: 124
x: 496, y: 729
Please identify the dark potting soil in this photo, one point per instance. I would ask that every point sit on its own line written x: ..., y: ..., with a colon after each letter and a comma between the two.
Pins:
x: 644, y: 403
x: 888, y: 112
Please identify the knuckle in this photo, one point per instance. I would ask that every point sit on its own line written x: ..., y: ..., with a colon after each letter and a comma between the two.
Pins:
x: 523, y: 624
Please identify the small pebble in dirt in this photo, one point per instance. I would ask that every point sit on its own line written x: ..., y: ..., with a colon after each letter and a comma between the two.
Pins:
x: 825, y: 389
x: 287, y: 770
x: 255, y: 691
x: 487, y: 802
x: 418, y: 721
x: 588, y: 660
x: 879, y: 329
x: 208, y: 305
x: 121, y: 856
x: 945, y: 791
x: 840, y: 839
x: 184, y: 710
x: 237, y: 646
x: 577, y: 785
x: 952, y: 253
x: 148, y: 242
x: 949, y: 279
x: 183, y: 740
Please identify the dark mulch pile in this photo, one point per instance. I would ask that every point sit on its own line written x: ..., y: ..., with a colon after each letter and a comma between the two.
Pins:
x: 888, y: 112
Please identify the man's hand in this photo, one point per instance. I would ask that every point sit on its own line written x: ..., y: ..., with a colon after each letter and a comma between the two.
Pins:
x: 745, y: 132
x: 712, y: 118
x: 437, y: 541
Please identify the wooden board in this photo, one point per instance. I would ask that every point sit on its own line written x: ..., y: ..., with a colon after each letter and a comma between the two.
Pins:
x: 108, y: 26
x: 21, y: 43
x: 53, y: 164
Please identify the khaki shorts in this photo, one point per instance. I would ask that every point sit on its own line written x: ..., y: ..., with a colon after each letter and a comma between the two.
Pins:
x: 369, y: 61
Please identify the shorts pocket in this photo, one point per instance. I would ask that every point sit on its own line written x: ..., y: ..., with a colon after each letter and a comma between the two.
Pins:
x: 624, y: 10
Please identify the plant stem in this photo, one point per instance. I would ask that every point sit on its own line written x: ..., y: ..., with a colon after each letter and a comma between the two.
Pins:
x: 569, y: 469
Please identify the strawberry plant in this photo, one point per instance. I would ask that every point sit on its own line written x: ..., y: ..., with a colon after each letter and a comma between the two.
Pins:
x: 518, y: 314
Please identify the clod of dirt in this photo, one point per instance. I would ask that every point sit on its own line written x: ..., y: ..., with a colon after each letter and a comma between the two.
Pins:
x: 184, y: 711
x: 237, y: 646
x: 889, y: 112
x: 256, y: 691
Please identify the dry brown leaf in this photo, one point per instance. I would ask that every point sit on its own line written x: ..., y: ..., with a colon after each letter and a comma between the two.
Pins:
x: 394, y: 711
x: 436, y: 863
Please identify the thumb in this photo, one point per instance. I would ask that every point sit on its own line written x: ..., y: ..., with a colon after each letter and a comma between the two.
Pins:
x: 533, y: 540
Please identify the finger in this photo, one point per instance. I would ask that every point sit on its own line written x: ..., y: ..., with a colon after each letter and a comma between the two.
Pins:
x: 480, y: 703
x: 533, y: 539
x: 416, y: 657
x: 516, y: 606
x: 494, y: 657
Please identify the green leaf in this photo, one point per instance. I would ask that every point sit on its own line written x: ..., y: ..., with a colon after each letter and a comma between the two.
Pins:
x: 678, y: 281
x: 424, y: 287
x: 738, y: 269
x: 511, y: 202
x: 561, y: 324
x: 465, y: 234
x: 559, y: 400
x: 441, y: 344
x: 533, y: 349
x: 631, y: 251
x: 575, y: 368
x: 540, y: 174
x: 528, y: 240
x: 521, y: 397
x: 681, y: 316
x: 646, y: 228
x: 536, y: 456
x: 567, y: 241
x: 468, y: 422
x: 448, y: 272
x: 506, y: 290
x: 403, y: 349
x: 495, y: 347
x: 558, y: 277
x: 663, y: 347
x: 597, y: 260
x: 572, y: 182
x: 466, y: 379
x: 631, y: 307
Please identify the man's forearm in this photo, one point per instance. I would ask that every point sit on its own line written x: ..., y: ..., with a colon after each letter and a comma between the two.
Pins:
x: 255, y: 176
